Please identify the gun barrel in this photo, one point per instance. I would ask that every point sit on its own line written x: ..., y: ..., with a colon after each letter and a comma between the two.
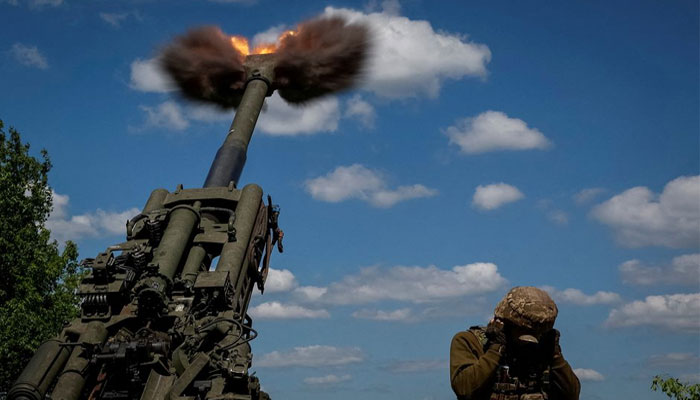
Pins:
x: 230, y: 159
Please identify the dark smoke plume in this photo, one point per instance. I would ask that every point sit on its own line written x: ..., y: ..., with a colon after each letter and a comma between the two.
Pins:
x: 206, y: 66
x: 324, y: 56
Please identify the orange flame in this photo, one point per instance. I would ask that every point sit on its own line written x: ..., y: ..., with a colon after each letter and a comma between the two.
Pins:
x: 240, y: 43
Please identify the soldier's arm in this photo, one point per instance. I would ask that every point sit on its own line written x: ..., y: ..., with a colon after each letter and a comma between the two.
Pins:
x: 564, y: 385
x: 471, y: 370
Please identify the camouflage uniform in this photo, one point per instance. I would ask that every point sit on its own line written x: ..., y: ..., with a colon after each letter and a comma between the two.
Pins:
x: 481, y: 370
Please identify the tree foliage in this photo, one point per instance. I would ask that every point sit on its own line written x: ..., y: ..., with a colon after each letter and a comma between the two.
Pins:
x: 38, y: 281
x: 675, y: 389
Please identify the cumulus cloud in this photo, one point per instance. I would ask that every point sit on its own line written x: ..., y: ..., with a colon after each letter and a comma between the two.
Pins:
x: 410, y: 58
x: 312, y: 356
x: 575, y: 296
x: 358, y: 182
x: 587, y: 195
x: 683, y: 270
x: 167, y: 115
x: 491, y: 197
x: 282, y: 119
x: 277, y: 118
x: 411, y: 366
x: 586, y: 374
x: 280, y: 280
x: 402, y: 314
x: 93, y: 224
x: 409, y: 284
x: 277, y: 310
x: 639, y: 217
x: 357, y: 108
x: 310, y: 293
x: 29, y: 56
x: 147, y: 76
x: 327, y: 379
x: 674, y: 312
x: 494, y: 131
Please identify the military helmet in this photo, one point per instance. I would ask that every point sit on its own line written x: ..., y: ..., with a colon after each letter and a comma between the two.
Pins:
x: 528, y: 307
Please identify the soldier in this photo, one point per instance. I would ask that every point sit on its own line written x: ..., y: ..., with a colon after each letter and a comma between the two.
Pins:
x: 517, y: 356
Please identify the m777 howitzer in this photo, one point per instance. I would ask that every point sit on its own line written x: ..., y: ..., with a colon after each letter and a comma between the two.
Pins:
x: 158, y: 320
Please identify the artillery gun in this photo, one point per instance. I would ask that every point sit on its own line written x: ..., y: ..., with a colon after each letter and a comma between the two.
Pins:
x: 158, y: 319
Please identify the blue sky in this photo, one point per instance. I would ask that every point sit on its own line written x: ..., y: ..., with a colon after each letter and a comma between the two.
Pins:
x: 553, y: 144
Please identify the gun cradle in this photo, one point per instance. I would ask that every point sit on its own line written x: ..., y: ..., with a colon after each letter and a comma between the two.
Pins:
x: 158, y: 320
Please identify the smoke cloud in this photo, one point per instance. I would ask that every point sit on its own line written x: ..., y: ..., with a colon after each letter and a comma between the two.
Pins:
x: 206, y: 66
x: 326, y: 55
x: 323, y: 56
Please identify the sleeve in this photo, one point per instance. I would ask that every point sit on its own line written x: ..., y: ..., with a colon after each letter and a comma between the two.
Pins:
x: 564, y: 385
x: 471, y: 370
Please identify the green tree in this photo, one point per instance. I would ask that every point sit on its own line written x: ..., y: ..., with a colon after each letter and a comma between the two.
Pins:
x: 675, y: 389
x: 37, y: 280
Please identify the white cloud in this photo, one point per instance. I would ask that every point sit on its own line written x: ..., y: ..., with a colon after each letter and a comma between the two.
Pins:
x: 586, y: 374
x: 327, y: 380
x: 114, y: 19
x: 358, y: 182
x: 34, y: 3
x: 93, y: 224
x: 674, y: 312
x: 411, y: 366
x: 310, y: 293
x: 587, y: 195
x: 491, y: 197
x: 641, y: 218
x: 166, y: 115
x: 683, y: 270
x: 559, y: 217
x: 575, y: 296
x: 277, y: 310
x: 268, y: 36
x: 494, y: 131
x: 674, y: 360
x: 409, y: 58
x: 312, y: 356
x: 282, y: 119
x: 361, y: 110
x: 280, y: 280
x: 147, y: 76
x: 29, y: 56
x: 277, y: 117
x: 402, y: 314
x: 410, y: 284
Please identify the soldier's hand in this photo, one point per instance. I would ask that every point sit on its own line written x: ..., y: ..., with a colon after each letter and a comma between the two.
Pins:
x: 550, y: 344
x: 495, y: 332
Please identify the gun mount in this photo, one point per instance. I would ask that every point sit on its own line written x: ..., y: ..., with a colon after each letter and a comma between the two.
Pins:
x: 158, y: 319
